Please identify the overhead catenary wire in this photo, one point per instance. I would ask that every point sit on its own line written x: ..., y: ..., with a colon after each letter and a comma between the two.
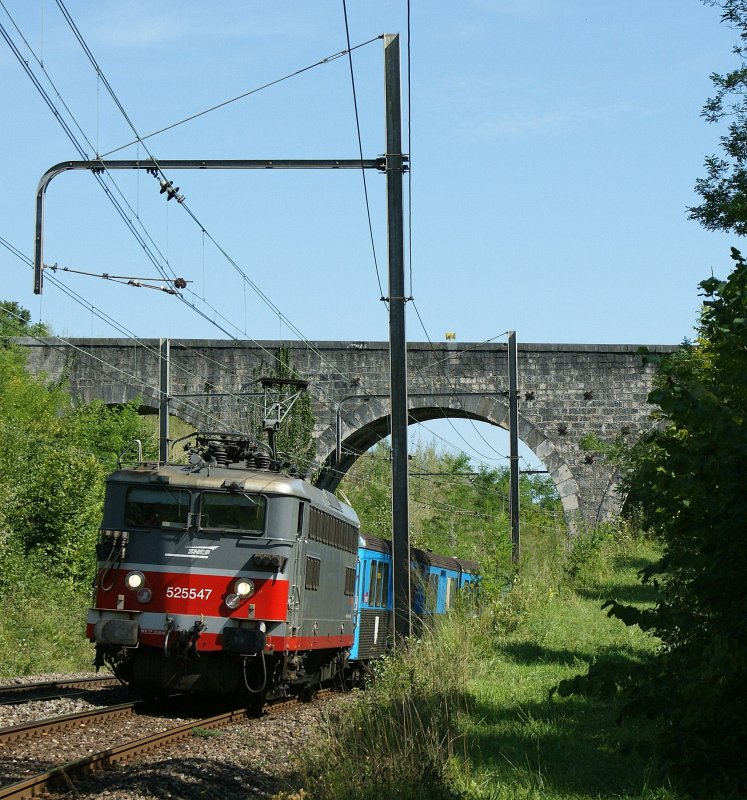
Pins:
x: 360, y: 147
x: 73, y: 138
x: 71, y: 135
x: 199, y: 311
x: 129, y: 334
x: 217, y: 387
x: 458, y: 510
x: 109, y: 320
x: 453, y: 479
x: 192, y: 305
x: 243, y: 95
x: 130, y: 377
x: 183, y: 204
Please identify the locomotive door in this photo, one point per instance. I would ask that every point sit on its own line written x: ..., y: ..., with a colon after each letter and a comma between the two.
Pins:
x: 295, y: 593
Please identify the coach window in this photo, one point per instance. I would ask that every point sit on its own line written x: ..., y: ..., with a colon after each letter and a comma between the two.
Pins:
x: 373, y: 568
x: 235, y: 512
x: 363, y: 582
x: 156, y: 507
x: 378, y: 587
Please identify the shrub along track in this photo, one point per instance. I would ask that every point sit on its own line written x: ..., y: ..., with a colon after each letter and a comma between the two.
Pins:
x: 42, y: 742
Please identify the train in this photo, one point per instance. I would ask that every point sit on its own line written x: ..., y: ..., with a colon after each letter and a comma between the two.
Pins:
x: 232, y: 576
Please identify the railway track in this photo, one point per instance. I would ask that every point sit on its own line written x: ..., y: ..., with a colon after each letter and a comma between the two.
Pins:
x: 46, y: 690
x: 61, y: 777
x: 44, y: 727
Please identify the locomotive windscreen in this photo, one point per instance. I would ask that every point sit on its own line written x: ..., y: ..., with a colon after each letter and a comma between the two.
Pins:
x: 155, y: 507
x: 241, y: 513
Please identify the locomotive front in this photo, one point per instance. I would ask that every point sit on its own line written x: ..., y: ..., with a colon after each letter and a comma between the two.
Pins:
x: 201, y: 577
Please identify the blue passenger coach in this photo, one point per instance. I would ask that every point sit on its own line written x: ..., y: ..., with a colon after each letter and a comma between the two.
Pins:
x: 435, y: 582
x: 373, y: 598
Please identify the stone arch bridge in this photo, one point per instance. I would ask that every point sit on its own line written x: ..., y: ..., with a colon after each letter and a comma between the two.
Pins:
x: 565, y: 392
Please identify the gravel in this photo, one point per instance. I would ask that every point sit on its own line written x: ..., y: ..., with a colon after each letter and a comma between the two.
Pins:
x: 254, y: 758
x: 29, y: 710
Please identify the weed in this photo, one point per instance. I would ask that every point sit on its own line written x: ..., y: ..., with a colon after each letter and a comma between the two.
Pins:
x: 586, y: 550
x: 205, y: 733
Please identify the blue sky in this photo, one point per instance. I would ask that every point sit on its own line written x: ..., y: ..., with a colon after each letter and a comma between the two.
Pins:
x: 554, y: 145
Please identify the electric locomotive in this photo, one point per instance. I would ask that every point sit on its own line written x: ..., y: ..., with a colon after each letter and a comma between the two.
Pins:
x: 225, y: 575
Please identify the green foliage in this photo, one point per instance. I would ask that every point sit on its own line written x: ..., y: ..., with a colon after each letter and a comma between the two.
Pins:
x: 686, y: 482
x: 367, y: 487
x: 465, y: 712
x: 42, y: 627
x: 105, y: 431
x: 15, y: 321
x: 294, y: 440
x: 54, y: 458
x: 454, y: 509
x: 724, y: 189
x: 613, y: 450
x: 586, y: 550
x: 403, y: 736
x: 206, y: 733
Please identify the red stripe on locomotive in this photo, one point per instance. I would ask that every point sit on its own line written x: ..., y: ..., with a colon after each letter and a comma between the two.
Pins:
x: 195, y: 594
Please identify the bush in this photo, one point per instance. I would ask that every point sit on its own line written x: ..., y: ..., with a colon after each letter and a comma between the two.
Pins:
x: 53, y: 462
x: 42, y: 628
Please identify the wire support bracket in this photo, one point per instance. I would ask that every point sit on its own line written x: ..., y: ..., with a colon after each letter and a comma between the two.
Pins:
x: 155, y: 166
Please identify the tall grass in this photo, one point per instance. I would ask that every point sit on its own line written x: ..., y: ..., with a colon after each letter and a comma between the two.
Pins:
x: 42, y: 626
x: 467, y: 711
x: 407, y: 729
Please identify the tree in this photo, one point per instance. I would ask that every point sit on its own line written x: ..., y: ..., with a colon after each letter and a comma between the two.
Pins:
x: 724, y: 189
x: 686, y: 483
x: 15, y: 321
x: 295, y: 438
x: 53, y: 461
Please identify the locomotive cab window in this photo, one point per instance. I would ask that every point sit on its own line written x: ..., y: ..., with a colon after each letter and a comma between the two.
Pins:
x: 239, y: 513
x: 155, y: 507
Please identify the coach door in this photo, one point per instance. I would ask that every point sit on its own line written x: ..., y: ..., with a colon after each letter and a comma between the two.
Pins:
x: 443, y: 587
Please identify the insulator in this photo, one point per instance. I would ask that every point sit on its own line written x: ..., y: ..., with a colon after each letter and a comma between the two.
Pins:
x: 262, y: 460
x: 218, y: 452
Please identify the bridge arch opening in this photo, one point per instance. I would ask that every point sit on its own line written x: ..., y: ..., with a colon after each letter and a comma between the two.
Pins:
x: 366, y: 422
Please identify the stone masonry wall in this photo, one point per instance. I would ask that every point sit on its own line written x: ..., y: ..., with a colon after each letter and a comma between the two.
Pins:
x: 565, y: 391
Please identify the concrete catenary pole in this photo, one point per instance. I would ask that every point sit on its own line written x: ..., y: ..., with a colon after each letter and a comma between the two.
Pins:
x: 165, y: 398
x: 397, y: 341
x: 513, y: 431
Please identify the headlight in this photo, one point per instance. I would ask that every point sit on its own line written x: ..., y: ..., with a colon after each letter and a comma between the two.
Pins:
x: 144, y: 595
x: 134, y: 580
x: 244, y: 588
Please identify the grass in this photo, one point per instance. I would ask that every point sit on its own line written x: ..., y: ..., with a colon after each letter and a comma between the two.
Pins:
x: 467, y: 711
x: 43, y: 628
x: 525, y: 743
